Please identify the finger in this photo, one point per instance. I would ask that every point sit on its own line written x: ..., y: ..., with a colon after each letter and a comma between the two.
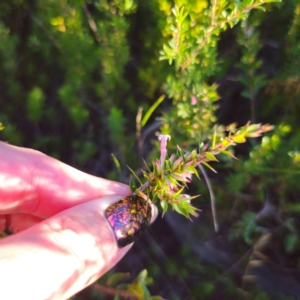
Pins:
x: 34, y: 183
x: 61, y: 255
x: 19, y: 222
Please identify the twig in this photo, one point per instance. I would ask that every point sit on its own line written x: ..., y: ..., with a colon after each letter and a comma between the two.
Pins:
x: 144, y: 186
x: 92, y: 23
x: 212, y: 198
x: 138, y: 132
x: 212, y: 16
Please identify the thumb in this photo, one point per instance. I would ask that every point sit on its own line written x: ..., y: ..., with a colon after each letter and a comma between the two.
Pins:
x: 60, y: 256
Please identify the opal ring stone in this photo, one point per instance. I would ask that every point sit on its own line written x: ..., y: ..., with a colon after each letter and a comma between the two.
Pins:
x: 129, y: 218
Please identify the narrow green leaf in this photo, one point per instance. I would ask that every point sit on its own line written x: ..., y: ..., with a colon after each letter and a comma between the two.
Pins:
x: 208, y: 166
x: 227, y: 153
x: 185, y: 209
x: 146, y: 165
x: 194, y: 154
x: 164, y: 206
x: 132, y: 185
x: 210, y: 156
x: 168, y: 164
x: 243, y: 129
x: 146, y: 291
x: 180, y: 210
x: 154, y: 198
x: 192, y: 211
x: 260, y: 8
x: 142, y: 280
x: 253, y: 127
x: 226, y: 143
x: 179, y: 192
x: 239, y: 139
x: 155, y: 171
x: 151, y: 110
x: 194, y: 170
x: 181, y: 153
x: 142, y: 275
x: 117, y: 163
x: 214, y: 140
x: 189, y: 198
x: 134, y: 174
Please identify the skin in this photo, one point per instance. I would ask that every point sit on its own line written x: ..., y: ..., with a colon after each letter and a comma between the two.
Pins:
x: 62, y: 241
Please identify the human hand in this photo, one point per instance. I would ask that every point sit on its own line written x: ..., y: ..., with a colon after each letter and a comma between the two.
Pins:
x: 63, y: 241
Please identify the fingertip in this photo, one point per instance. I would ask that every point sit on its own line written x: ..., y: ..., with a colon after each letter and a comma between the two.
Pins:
x: 112, y: 188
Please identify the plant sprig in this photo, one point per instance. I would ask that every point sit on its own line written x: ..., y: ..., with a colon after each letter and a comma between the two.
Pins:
x: 169, y: 176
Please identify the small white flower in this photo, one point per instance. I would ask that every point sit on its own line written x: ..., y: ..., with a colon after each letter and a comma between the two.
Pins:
x: 165, y: 137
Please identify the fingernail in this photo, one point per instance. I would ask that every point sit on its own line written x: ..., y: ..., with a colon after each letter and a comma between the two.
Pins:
x: 129, y: 218
x: 154, y: 213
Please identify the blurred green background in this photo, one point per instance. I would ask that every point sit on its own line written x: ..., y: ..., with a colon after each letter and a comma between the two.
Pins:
x: 77, y: 79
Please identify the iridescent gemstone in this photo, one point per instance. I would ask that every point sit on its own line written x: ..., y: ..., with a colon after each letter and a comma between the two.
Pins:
x: 129, y: 218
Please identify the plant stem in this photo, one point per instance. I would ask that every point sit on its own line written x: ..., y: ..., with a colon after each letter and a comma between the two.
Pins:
x: 144, y: 186
x: 212, y: 198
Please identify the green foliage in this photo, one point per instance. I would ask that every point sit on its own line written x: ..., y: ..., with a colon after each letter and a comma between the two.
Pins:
x: 206, y: 288
x: 250, y: 65
x: 291, y: 241
x: 63, y: 64
x: 137, y: 289
x: 169, y: 177
x: 76, y: 76
x: 116, y: 122
x: 35, y: 101
x: 116, y: 278
x: 246, y: 227
x: 194, y: 29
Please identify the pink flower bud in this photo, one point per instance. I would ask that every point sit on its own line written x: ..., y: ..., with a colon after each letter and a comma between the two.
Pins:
x: 177, y: 162
x: 172, y: 157
x: 194, y: 100
x: 163, y: 138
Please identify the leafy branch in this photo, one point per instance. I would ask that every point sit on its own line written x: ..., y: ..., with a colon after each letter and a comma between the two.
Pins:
x: 170, y: 176
x: 231, y: 19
